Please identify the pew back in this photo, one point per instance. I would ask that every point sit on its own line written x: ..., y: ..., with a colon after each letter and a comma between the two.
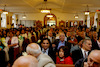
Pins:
x: 64, y: 65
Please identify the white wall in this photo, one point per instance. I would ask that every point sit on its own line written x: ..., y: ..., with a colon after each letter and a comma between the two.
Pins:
x: 60, y: 16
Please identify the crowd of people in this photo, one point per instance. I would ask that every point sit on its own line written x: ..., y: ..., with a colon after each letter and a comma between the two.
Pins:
x: 50, y: 46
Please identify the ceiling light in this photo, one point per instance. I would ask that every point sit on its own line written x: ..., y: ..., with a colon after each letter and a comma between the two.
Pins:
x: 44, y: 8
x: 24, y: 16
x: 87, y: 11
x: 45, y: 11
x: 4, y: 11
x: 76, y: 16
x: 49, y: 15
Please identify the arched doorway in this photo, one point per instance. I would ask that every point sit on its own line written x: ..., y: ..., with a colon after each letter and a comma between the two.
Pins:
x: 50, y: 19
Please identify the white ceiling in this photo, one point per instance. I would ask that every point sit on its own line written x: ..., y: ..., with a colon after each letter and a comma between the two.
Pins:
x: 64, y: 6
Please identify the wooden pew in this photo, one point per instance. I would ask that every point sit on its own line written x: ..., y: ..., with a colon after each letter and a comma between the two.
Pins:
x: 64, y: 65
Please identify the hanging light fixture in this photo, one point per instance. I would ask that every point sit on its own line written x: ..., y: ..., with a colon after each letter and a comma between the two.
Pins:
x: 45, y: 9
x: 4, y: 11
x: 87, y: 11
x: 24, y: 16
x: 76, y: 16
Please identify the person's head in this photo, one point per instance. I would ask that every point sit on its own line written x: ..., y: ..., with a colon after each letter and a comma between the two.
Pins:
x: 26, y: 61
x: 95, y: 35
x: 72, y: 35
x: 87, y: 30
x: 45, y: 43
x: 42, y: 36
x: 18, y: 33
x: 63, y: 52
x: 61, y: 36
x: 87, y: 44
x: 82, y: 34
x: 33, y: 49
x: 90, y: 34
x: 22, y: 31
x: 11, y: 34
x: 94, y: 59
x: 50, y: 33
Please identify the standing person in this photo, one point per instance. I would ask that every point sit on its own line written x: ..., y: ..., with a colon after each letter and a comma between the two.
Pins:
x: 13, y: 47
x: 64, y: 56
x: 44, y: 60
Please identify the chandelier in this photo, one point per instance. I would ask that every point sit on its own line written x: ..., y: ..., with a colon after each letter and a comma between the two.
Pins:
x: 24, y: 16
x: 4, y: 11
x: 87, y: 11
x: 76, y: 16
x: 44, y: 8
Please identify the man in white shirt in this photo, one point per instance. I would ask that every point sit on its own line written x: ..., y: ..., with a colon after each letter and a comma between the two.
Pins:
x: 83, y: 51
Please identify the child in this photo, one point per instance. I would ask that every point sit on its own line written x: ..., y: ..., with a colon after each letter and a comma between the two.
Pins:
x: 64, y: 56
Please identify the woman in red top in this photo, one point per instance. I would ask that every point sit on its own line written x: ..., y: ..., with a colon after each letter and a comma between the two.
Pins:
x: 64, y: 56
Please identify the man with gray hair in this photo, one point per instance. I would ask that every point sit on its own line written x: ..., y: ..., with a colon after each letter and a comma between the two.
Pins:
x: 26, y: 61
x: 44, y: 60
x: 83, y: 51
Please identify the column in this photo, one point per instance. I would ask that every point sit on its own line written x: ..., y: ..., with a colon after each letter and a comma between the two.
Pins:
x: 9, y: 20
x: 92, y: 14
x: 98, y: 22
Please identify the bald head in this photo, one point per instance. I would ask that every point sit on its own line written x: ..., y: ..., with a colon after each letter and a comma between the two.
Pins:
x: 26, y: 61
x: 33, y: 49
x: 94, y: 58
x: 95, y: 55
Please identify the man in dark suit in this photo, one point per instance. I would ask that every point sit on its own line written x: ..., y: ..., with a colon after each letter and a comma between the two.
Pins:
x: 50, y: 36
x: 93, y: 60
x: 95, y: 42
x: 46, y: 48
x: 83, y: 51
x: 61, y: 42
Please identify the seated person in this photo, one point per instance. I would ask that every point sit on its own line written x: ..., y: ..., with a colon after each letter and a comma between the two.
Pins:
x: 26, y: 61
x: 93, y: 60
x: 64, y: 56
x: 82, y: 52
x: 46, y: 48
x: 61, y: 42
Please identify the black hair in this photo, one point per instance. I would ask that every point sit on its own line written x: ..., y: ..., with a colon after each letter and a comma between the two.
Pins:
x: 48, y: 41
x: 66, y: 51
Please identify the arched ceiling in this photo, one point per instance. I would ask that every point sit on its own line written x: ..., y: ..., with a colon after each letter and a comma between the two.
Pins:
x: 64, y: 6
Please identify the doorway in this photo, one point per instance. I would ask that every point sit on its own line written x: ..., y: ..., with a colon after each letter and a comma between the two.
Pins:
x: 50, y: 20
